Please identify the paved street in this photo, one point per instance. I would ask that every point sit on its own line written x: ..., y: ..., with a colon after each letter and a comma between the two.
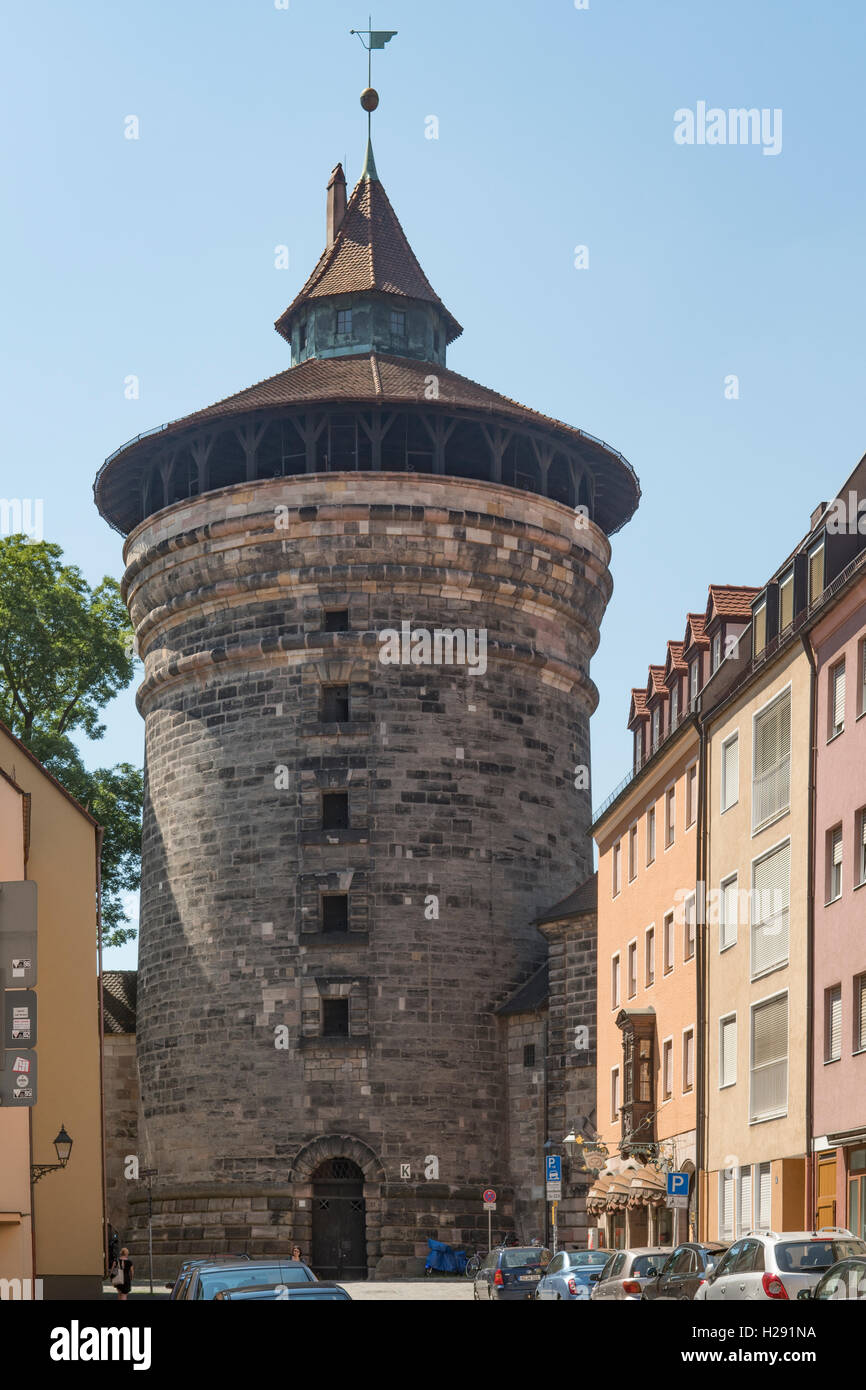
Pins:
x: 395, y: 1290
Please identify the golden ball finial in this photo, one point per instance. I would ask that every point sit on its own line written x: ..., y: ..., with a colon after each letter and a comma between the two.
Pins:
x: 369, y: 98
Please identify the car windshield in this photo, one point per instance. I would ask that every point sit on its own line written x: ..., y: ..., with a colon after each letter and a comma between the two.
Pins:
x: 577, y: 1259
x: 244, y: 1275
x: 529, y: 1258
x: 644, y: 1264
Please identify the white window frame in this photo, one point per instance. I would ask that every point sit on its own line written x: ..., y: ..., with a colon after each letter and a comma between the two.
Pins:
x: 756, y: 1196
x: 687, y: 1032
x: 649, y: 936
x: 727, y: 941
x: 668, y: 1043
x: 759, y: 608
x: 615, y: 1094
x: 859, y: 1036
x: 674, y: 704
x: 631, y: 954
x: 725, y: 1232
x: 829, y: 993
x: 616, y: 868
x: 615, y: 980
x: 860, y: 847
x: 834, y: 892
x: 669, y: 843
x: 651, y: 819
x: 787, y: 578
x: 716, y: 659
x: 727, y: 1018
x: 810, y: 553
x: 690, y: 900
x: 785, y: 810
x: 834, y: 729
x: 755, y: 1004
x: 767, y: 854
x: 669, y: 922
x: 632, y: 851
x: 694, y: 680
x: 691, y: 794
x: 724, y: 804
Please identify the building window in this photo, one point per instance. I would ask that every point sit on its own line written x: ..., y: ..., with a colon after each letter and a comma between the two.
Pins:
x: 786, y: 601
x: 670, y: 816
x: 667, y: 1068
x: 614, y: 1093
x: 727, y: 1178
x: 833, y: 1024
x: 650, y: 956
x: 637, y: 749
x: 655, y: 730
x: 529, y: 1055
x: 717, y: 650
x: 650, y: 835
x: 632, y: 969
x: 730, y: 772
x: 727, y: 1051
x: 336, y: 620
x: 860, y: 1013
x: 816, y: 571
x: 836, y: 702
x: 691, y: 795
x: 729, y: 903
x: 669, y: 943
x: 335, y: 1018
x: 632, y: 853
x: 335, y: 810
x: 771, y: 889
x: 689, y: 916
x: 771, y: 779
x: 398, y: 323
x: 693, y: 680
x: 769, y: 1065
x: 335, y: 912
x: 834, y: 864
x: 344, y: 320
x: 645, y: 1074
x: 617, y: 869
x: 863, y: 677
x: 688, y: 1060
x: 759, y: 628
x: 675, y: 704
x: 861, y: 844
x: 764, y: 1194
x: 614, y: 982
x: 335, y: 704
x: 744, y: 1204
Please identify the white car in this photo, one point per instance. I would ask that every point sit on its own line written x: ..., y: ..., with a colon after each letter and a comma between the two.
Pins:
x: 777, y: 1264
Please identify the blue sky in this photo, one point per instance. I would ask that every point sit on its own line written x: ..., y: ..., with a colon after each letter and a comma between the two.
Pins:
x: 155, y: 257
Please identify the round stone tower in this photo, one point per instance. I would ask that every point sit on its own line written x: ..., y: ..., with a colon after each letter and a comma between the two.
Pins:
x: 366, y: 593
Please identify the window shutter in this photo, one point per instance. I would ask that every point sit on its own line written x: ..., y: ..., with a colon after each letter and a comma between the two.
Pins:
x: 730, y: 772
x: 816, y: 573
x: 769, y: 1091
x: 770, y: 902
x: 729, y: 1051
x: 837, y: 845
x: 727, y: 1203
x: 786, y: 602
x: 745, y: 1199
x: 861, y: 1012
x: 771, y: 790
x: 759, y: 629
x: 729, y: 908
x: 834, y: 1024
x: 765, y: 1195
x: 839, y: 696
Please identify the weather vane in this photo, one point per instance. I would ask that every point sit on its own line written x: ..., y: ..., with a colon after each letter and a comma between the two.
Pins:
x: 376, y: 38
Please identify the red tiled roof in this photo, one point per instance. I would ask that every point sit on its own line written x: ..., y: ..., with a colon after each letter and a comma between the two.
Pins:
x: 730, y: 601
x: 696, y: 631
x: 656, y: 682
x: 674, y: 661
x: 638, y: 708
x: 370, y: 253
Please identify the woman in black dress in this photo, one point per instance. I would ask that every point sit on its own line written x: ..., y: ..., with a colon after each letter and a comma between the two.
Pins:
x: 127, y: 1269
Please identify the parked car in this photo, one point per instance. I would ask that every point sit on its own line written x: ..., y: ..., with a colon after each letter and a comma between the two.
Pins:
x: 511, y: 1272
x: 626, y: 1272
x: 323, y: 1291
x: 571, y: 1274
x: 684, y: 1271
x: 186, y: 1269
x: 778, y: 1264
x: 206, y: 1281
x: 845, y: 1280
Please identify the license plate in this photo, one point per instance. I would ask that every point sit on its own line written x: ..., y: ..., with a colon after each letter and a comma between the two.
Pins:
x: 529, y: 1277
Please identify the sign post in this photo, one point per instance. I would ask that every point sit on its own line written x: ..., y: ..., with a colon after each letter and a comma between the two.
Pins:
x: 553, y: 1184
x: 149, y: 1174
x: 17, y: 998
x: 677, y: 1196
x: 488, y: 1197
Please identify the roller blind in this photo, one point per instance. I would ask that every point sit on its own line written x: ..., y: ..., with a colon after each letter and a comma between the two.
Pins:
x: 770, y: 904
x: 728, y: 1051
x: 861, y: 1011
x: 730, y: 772
x: 834, y: 1023
x: 726, y: 1203
x: 769, y: 1089
x: 745, y: 1200
x: 771, y: 788
x: 759, y: 629
x: 765, y: 1195
x: 728, y: 906
x: 816, y: 573
x: 837, y: 697
x: 786, y: 602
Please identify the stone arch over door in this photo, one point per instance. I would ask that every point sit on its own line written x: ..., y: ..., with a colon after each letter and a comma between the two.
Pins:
x: 312, y: 1163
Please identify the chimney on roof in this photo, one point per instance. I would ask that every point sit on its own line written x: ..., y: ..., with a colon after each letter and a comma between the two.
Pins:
x: 336, y: 202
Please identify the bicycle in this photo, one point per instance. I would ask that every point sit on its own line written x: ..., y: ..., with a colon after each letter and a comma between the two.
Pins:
x: 474, y: 1263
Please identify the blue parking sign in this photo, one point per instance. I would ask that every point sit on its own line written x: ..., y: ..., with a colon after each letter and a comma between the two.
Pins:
x: 678, y: 1184
x: 554, y: 1168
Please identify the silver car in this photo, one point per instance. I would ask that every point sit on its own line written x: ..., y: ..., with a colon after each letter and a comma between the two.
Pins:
x: 778, y: 1264
x: 626, y: 1272
x: 571, y: 1274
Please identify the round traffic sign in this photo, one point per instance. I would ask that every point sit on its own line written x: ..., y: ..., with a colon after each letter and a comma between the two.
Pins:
x: 488, y: 1195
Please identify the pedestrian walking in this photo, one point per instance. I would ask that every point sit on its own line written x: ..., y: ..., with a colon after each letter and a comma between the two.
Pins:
x: 121, y: 1275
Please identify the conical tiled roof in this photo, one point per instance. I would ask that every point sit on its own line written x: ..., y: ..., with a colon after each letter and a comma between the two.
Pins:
x: 370, y: 253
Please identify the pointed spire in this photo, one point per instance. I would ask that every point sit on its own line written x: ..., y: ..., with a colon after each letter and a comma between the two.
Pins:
x: 369, y: 170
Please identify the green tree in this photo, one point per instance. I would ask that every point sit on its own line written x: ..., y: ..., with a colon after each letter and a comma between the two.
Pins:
x: 65, y: 652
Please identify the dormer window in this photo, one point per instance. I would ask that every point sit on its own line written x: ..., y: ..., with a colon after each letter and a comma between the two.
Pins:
x: 759, y: 628
x: 786, y: 600
x: 717, y: 650
x: 398, y: 323
x: 655, y: 728
x: 816, y: 571
x: 344, y: 320
x: 675, y: 704
x: 693, y: 680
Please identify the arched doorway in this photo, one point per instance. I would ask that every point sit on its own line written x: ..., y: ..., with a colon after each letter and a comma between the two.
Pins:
x: 339, y: 1220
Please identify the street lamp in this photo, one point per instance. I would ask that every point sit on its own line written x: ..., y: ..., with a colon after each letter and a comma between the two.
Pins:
x: 63, y: 1148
